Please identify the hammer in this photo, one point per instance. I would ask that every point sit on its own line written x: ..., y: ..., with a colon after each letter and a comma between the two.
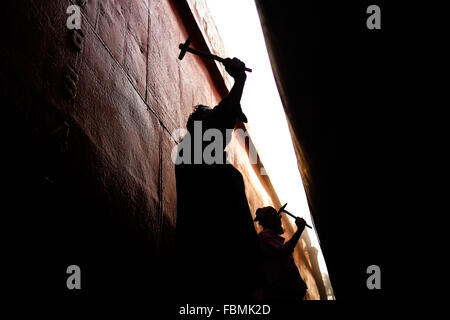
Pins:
x: 282, y: 209
x: 185, y: 47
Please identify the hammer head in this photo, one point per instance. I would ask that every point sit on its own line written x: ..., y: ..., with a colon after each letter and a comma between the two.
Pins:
x: 183, y: 47
x: 282, y: 208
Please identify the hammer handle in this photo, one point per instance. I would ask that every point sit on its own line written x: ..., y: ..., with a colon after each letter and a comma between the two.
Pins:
x: 288, y: 213
x: 210, y: 56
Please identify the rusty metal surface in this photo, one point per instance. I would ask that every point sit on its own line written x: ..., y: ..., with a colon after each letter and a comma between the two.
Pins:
x: 109, y: 200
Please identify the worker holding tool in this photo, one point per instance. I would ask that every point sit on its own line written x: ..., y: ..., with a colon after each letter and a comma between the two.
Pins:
x: 216, y: 240
x: 225, y: 114
x: 281, y: 279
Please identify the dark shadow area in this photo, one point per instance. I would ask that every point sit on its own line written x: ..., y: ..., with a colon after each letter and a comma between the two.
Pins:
x: 56, y: 213
x: 354, y: 98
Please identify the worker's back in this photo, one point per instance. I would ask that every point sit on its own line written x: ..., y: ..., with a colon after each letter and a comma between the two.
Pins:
x: 280, y: 278
x: 216, y: 237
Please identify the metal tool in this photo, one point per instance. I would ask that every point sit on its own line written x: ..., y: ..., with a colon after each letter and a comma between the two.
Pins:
x: 184, y: 47
x: 282, y: 209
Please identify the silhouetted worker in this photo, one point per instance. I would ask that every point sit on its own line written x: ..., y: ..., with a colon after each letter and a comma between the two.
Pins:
x: 216, y: 238
x: 280, y: 276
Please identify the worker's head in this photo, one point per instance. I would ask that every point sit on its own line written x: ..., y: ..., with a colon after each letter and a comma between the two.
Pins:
x: 269, y: 218
x: 200, y: 113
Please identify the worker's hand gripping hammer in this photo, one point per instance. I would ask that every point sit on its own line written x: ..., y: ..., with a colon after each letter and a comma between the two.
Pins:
x: 184, y: 47
x: 282, y: 209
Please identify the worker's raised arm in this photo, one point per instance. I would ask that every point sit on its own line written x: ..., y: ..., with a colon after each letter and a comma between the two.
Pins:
x: 236, y: 69
x: 290, y: 245
x: 229, y: 109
